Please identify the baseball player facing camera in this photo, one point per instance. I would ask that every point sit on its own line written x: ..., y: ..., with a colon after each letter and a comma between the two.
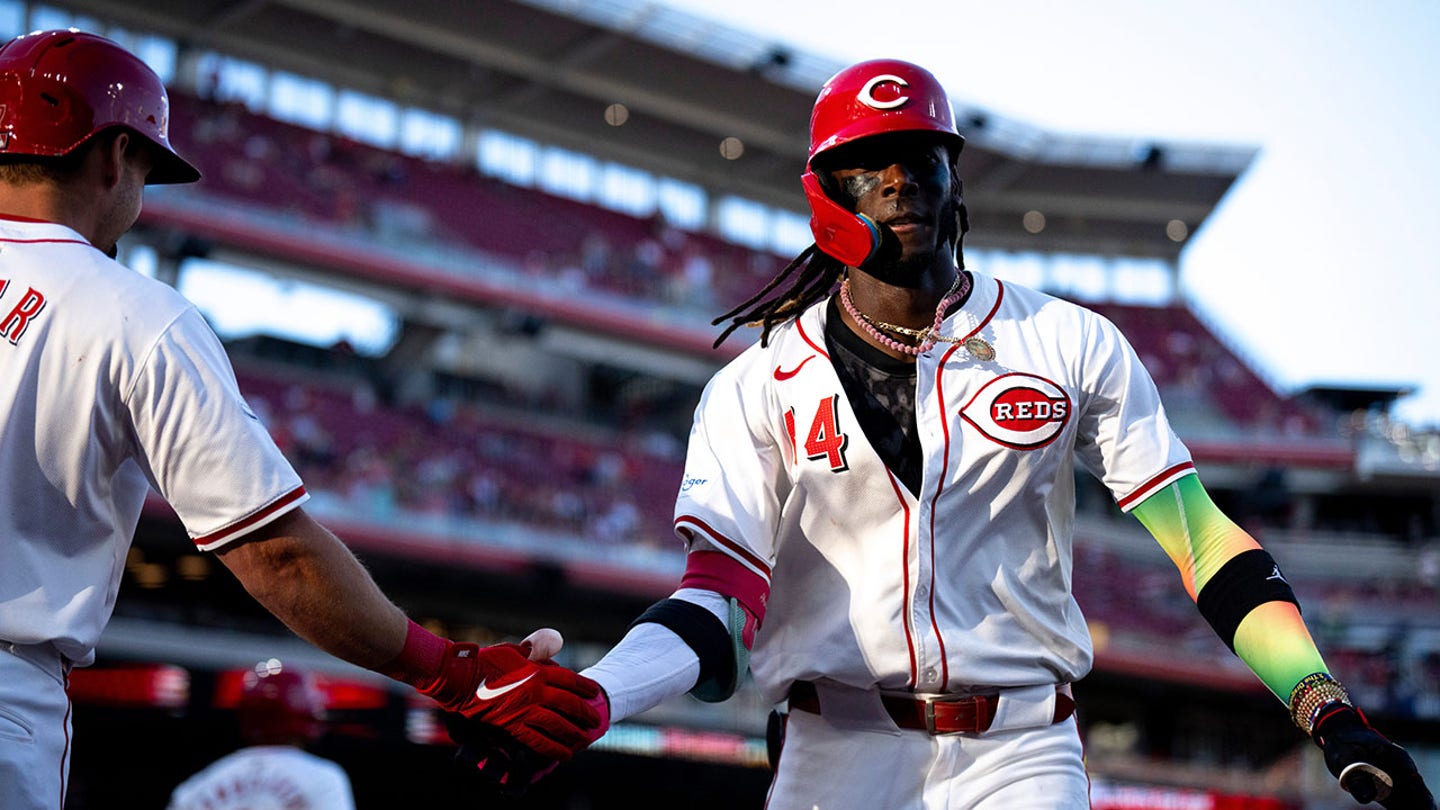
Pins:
x: 112, y: 384
x: 878, y: 503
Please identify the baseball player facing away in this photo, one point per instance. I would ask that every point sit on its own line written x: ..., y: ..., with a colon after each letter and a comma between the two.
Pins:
x: 110, y: 384
x: 280, y: 711
x: 878, y: 504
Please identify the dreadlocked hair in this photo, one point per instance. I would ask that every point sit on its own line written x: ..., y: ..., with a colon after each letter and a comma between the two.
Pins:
x: 818, y: 274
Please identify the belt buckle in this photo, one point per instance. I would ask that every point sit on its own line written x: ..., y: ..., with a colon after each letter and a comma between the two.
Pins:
x: 929, y: 712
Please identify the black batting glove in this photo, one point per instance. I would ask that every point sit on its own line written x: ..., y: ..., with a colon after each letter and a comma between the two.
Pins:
x: 1350, y: 744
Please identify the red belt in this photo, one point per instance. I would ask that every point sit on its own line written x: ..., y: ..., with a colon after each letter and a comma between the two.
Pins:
x: 971, y: 714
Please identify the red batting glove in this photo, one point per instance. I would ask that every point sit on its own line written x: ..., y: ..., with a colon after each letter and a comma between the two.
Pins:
x: 542, y: 706
x: 499, y: 762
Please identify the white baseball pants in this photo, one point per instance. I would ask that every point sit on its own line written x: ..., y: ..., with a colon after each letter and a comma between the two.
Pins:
x: 827, y: 768
x: 34, y: 728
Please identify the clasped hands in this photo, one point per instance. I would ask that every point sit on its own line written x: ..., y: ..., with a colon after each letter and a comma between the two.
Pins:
x: 514, y: 713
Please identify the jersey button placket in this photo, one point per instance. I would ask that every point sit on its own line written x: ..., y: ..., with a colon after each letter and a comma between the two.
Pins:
x: 928, y: 651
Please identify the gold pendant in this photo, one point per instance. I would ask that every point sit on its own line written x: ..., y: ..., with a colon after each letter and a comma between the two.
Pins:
x: 979, y: 349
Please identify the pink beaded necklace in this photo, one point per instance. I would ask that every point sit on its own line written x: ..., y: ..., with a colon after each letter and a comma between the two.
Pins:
x: 926, y: 337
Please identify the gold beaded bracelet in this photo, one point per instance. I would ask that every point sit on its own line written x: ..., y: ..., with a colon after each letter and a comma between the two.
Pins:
x: 1312, y: 693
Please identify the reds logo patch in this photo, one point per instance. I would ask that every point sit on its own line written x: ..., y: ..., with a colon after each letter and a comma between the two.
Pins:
x: 1019, y: 411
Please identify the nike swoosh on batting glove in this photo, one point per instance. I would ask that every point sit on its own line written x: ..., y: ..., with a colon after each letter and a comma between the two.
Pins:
x: 542, y: 706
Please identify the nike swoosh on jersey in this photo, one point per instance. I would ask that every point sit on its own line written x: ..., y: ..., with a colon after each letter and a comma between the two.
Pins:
x: 782, y: 375
x: 485, y: 693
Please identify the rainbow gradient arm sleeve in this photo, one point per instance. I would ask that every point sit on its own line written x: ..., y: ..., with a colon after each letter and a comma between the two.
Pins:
x: 1272, y: 638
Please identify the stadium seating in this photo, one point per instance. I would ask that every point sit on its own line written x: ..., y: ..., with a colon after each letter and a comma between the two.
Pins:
x: 343, y: 184
x: 453, y: 460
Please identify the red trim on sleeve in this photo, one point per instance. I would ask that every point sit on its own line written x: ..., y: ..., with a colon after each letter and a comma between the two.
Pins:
x: 281, y: 504
x: 1155, y: 484
x: 746, y: 556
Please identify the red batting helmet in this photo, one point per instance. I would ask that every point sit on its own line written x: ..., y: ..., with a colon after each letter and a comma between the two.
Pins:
x: 59, y: 88
x: 876, y: 97
x: 280, y: 706
x: 870, y: 98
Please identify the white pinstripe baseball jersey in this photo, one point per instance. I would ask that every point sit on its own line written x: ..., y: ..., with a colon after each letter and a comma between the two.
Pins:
x: 968, y: 584
x: 110, y: 383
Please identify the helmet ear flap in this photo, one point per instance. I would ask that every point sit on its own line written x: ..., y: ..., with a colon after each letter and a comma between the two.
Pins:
x: 851, y: 238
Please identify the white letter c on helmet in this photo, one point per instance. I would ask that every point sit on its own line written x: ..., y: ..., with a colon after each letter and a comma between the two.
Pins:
x: 867, y: 93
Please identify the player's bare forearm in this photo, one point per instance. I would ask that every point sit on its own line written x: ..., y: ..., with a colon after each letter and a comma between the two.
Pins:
x: 305, y: 576
x: 309, y: 580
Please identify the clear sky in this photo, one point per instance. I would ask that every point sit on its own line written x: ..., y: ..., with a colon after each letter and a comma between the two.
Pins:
x: 1318, y: 263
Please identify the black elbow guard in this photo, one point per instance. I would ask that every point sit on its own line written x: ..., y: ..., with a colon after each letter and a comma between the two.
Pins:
x: 1250, y: 579
x: 707, y: 636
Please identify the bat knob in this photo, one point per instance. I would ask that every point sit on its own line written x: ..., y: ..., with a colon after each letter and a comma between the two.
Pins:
x: 1366, y: 782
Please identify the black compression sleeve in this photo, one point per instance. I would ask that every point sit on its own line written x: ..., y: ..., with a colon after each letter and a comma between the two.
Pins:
x: 1250, y: 579
x: 701, y: 631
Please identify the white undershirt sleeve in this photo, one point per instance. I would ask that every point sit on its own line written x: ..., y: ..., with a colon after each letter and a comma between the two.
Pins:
x: 651, y: 664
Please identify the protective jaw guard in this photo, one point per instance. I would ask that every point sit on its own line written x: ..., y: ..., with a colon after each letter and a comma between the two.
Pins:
x: 851, y: 238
